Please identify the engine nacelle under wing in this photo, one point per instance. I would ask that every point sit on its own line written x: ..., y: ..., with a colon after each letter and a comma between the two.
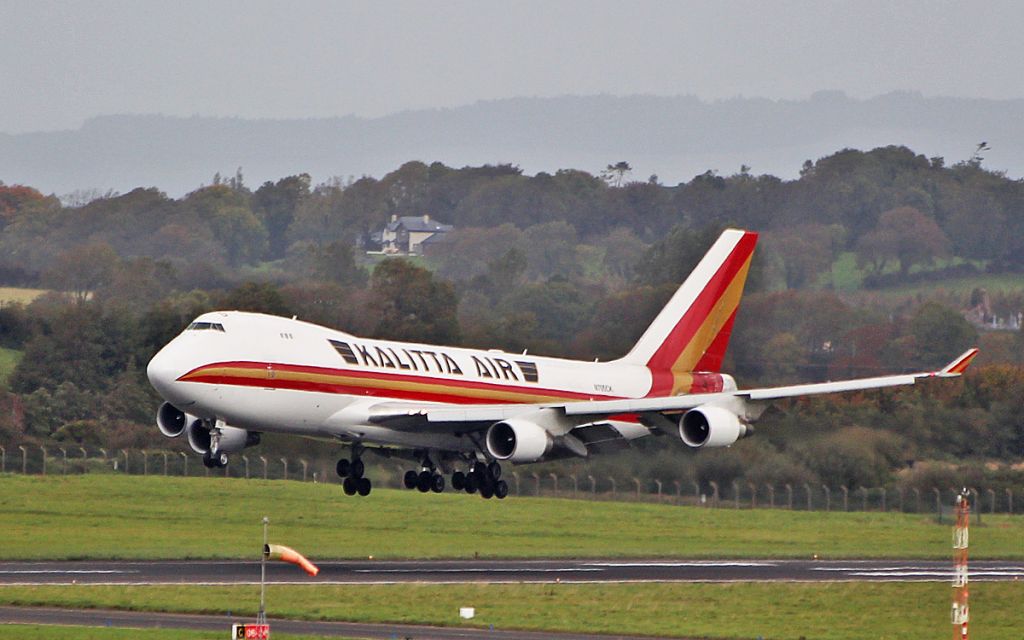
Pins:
x: 518, y: 440
x: 225, y: 440
x: 708, y: 426
x: 172, y: 421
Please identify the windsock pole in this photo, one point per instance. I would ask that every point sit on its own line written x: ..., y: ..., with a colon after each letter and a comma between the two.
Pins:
x: 261, y: 617
x: 960, y: 612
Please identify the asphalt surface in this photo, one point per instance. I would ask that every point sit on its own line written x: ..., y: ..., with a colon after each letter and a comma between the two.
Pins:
x: 499, y: 571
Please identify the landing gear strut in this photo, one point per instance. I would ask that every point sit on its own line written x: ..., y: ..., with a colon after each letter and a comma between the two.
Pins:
x: 352, y: 470
x: 485, y: 478
x: 215, y: 460
x: 425, y: 480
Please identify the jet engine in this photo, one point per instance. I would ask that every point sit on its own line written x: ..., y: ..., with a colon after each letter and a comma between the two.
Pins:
x: 228, y: 439
x: 172, y: 421
x: 708, y: 426
x: 518, y: 440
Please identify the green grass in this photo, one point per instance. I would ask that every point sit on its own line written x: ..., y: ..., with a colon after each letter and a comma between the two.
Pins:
x: 8, y: 360
x: 830, y: 611
x: 54, y: 632
x: 114, y: 516
x: 845, y: 276
x: 19, y: 295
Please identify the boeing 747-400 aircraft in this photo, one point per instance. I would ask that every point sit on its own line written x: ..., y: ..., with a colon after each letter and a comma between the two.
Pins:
x: 231, y: 375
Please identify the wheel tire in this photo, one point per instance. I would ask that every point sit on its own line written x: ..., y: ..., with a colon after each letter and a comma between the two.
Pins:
x: 411, y: 479
x: 222, y: 460
x: 424, y: 482
x: 494, y: 469
x: 458, y: 481
x: 208, y: 461
x: 363, y: 486
x: 349, y: 486
x: 486, y: 492
x: 500, y: 489
x: 471, y: 484
x: 343, y: 468
x: 357, y: 468
x: 437, y: 483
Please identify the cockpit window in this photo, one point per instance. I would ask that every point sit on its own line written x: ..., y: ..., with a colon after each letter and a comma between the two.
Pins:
x: 205, y: 326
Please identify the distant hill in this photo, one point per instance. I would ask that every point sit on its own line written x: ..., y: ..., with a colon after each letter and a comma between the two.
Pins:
x: 673, y: 137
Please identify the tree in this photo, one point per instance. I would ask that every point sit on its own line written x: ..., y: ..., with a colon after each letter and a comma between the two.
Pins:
x: 258, y: 297
x: 939, y: 333
x: 276, y: 203
x: 83, y: 269
x: 903, y: 234
x: 805, y: 251
x: 616, y: 173
x: 413, y: 305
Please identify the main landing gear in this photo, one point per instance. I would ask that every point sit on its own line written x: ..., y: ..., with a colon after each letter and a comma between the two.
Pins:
x: 485, y: 478
x: 352, y: 470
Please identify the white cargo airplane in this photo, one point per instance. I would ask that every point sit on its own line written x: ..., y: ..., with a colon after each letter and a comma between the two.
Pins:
x: 231, y: 375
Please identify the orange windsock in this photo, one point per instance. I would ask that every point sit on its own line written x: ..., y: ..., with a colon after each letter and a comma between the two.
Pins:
x: 281, y: 552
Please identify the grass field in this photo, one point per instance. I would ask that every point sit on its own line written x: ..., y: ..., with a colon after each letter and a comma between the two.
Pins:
x: 51, y: 632
x: 830, y: 611
x: 19, y: 295
x: 8, y: 360
x: 116, y: 516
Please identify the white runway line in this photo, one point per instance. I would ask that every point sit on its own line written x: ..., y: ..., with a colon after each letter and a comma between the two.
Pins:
x: 695, y: 563
x: 62, y: 571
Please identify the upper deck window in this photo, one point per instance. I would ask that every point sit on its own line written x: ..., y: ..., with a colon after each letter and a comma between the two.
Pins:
x: 205, y: 326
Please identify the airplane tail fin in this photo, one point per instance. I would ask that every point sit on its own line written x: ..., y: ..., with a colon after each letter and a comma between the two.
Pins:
x: 692, y: 332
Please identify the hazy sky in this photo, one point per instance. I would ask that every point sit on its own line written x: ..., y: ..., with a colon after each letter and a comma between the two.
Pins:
x: 62, y: 62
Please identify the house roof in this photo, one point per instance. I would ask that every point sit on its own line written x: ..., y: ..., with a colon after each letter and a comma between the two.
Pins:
x: 418, y: 223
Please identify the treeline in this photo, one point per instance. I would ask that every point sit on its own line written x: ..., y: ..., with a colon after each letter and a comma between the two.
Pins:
x: 568, y: 264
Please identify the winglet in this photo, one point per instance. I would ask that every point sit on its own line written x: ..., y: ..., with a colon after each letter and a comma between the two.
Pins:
x: 959, y: 365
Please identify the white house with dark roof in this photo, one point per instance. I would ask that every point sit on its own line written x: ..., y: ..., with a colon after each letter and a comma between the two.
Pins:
x: 407, y: 234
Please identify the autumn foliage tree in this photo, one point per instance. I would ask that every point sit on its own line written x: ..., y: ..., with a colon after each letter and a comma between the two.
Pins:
x: 903, y: 235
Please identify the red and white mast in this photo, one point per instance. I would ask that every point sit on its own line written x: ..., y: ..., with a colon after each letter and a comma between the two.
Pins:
x: 959, y: 610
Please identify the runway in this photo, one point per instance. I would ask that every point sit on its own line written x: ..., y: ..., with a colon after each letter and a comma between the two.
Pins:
x: 498, y: 571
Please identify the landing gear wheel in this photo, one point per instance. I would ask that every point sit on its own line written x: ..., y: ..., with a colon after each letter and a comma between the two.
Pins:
x: 437, y: 483
x: 494, y: 469
x: 471, y: 484
x: 363, y: 486
x: 215, y: 461
x: 344, y: 468
x: 424, y: 482
x: 486, y: 491
x: 458, y: 481
x: 350, y: 486
x: 356, y: 468
x: 411, y: 479
x: 500, y: 489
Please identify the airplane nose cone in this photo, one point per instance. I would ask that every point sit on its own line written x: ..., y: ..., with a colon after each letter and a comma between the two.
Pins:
x: 163, y: 371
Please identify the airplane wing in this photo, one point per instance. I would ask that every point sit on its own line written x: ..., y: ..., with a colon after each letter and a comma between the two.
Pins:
x: 441, y: 417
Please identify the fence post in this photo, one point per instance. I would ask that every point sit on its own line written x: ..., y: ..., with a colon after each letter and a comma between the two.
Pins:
x: 917, y: 500
x: 284, y: 462
x: 1009, y: 500
x: 165, y: 463
x: 263, y: 459
x: 24, y: 460
x: 736, y: 493
x: 828, y: 497
x: 636, y: 482
x: 991, y: 500
x: 657, y: 483
x: 899, y: 492
x: 536, y: 483
x: 714, y: 493
x: 125, y: 452
x: 679, y: 489
x: 614, y: 488
x: 184, y: 458
x: 145, y: 463
x: 554, y: 482
x: 846, y: 497
x: 938, y: 504
x: 753, y: 495
x: 43, y: 449
x: 977, y: 503
x: 515, y: 476
x: 245, y: 459
x: 789, y: 496
x: 305, y: 468
x: 696, y: 491
x: 3, y: 460
x: 807, y: 487
x: 64, y: 465
x: 593, y: 484
x: 771, y: 495
x: 85, y: 455
x: 104, y: 452
x: 864, y: 498
x: 575, y: 485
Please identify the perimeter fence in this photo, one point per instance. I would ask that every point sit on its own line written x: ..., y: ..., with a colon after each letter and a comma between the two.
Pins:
x: 49, y: 460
